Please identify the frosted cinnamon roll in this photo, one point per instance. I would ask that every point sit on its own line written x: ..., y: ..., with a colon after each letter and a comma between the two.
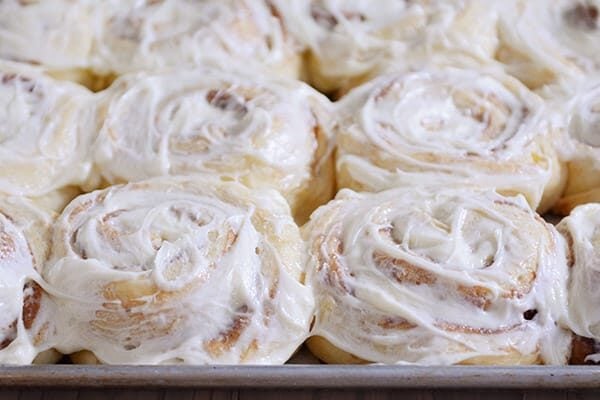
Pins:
x: 56, y: 34
x: 180, y: 270
x: 582, y: 231
x: 448, y: 126
x: 25, y: 308
x: 350, y: 42
x: 436, y: 276
x: 265, y: 133
x: 149, y: 34
x: 581, y: 146
x: 544, y: 42
x: 45, y: 134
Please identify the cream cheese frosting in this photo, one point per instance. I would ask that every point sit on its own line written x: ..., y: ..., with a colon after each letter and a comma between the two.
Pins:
x: 265, y: 133
x: 350, y: 41
x: 46, y: 130
x: 180, y: 270
x: 26, y: 311
x: 577, y: 108
x: 582, y: 228
x: 58, y: 34
x: 477, y: 128
x: 438, y: 276
x: 149, y: 35
x: 545, y: 42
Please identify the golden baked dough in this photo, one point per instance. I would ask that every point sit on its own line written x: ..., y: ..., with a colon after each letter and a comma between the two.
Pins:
x: 265, y: 133
x: 543, y: 42
x: 582, y: 231
x: 351, y: 41
x: 458, y: 126
x: 26, y: 310
x: 192, y: 270
x: 46, y: 131
x: 436, y: 276
x: 580, y: 146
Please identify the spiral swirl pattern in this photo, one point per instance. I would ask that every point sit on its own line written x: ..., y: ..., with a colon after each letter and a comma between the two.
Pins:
x: 438, y: 276
x: 448, y: 125
x: 265, y: 133
x: 351, y: 41
x: 180, y: 270
x: 544, y: 42
x: 580, y: 145
x: 46, y: 129
x: 152, y: 35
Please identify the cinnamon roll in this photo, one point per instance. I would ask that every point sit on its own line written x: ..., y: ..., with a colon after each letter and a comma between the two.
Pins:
x: 449, y: 125
x: 582, y: 231
x: 436, y: 276
x: 544, y: 42
x: 149, y: 35
x: 46, y: 130
x: 56, y: 34
x: 581, y: 146
x: 265, y: 133
x: 26, y: 310
x: 192, y: 270
x: 350, y: 42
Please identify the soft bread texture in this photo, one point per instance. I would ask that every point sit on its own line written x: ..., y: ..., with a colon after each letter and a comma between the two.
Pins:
x: 448, y: 125
x: 350, y: 42
x: 46, y: 131
x: 265, y: 133
x: 580, y: 144
x: 190, y: 270
x: 548, y: 42
x: 26, y: 310
x: 88, y: 40
x: 436, y: 276
x: 582, y: 231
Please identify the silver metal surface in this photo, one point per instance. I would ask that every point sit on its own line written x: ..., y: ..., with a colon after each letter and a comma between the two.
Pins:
x: 302, y: 376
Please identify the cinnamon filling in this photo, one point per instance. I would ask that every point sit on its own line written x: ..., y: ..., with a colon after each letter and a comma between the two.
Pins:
x: 583, y: 16
x: 228, y: 338
x: 402, y: 271
x: 226, y: 101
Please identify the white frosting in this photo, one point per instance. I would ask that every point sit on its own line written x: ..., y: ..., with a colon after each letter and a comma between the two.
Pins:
x: 45, y: 132
x: 560, y: 37
x: 119, y: 36
x: 581, y: 107
x: 437, y: 276
x: 185, y: 121
x: 350, y: 38
x: 582, y: 227
x: 139, y: 35
x: 55, y: 33
x: 22, y: 254
x: 180, y: 270
x: 440, y: 126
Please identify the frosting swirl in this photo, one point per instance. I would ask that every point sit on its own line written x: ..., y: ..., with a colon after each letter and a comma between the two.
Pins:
x: 580, y: 146
x: 265, y: 133
x: 582, y: 230
x: 25, y: 308
x: 150, y: 35
x: 351, y: 41
x: 45, y: 132
x: 448, y: 125
x: 437, y: 276
x: 58, y: 34
x: 545, y: 42
x: 180, y: 270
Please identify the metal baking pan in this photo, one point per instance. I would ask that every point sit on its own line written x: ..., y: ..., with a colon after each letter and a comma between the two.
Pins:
x: 301, y: 376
